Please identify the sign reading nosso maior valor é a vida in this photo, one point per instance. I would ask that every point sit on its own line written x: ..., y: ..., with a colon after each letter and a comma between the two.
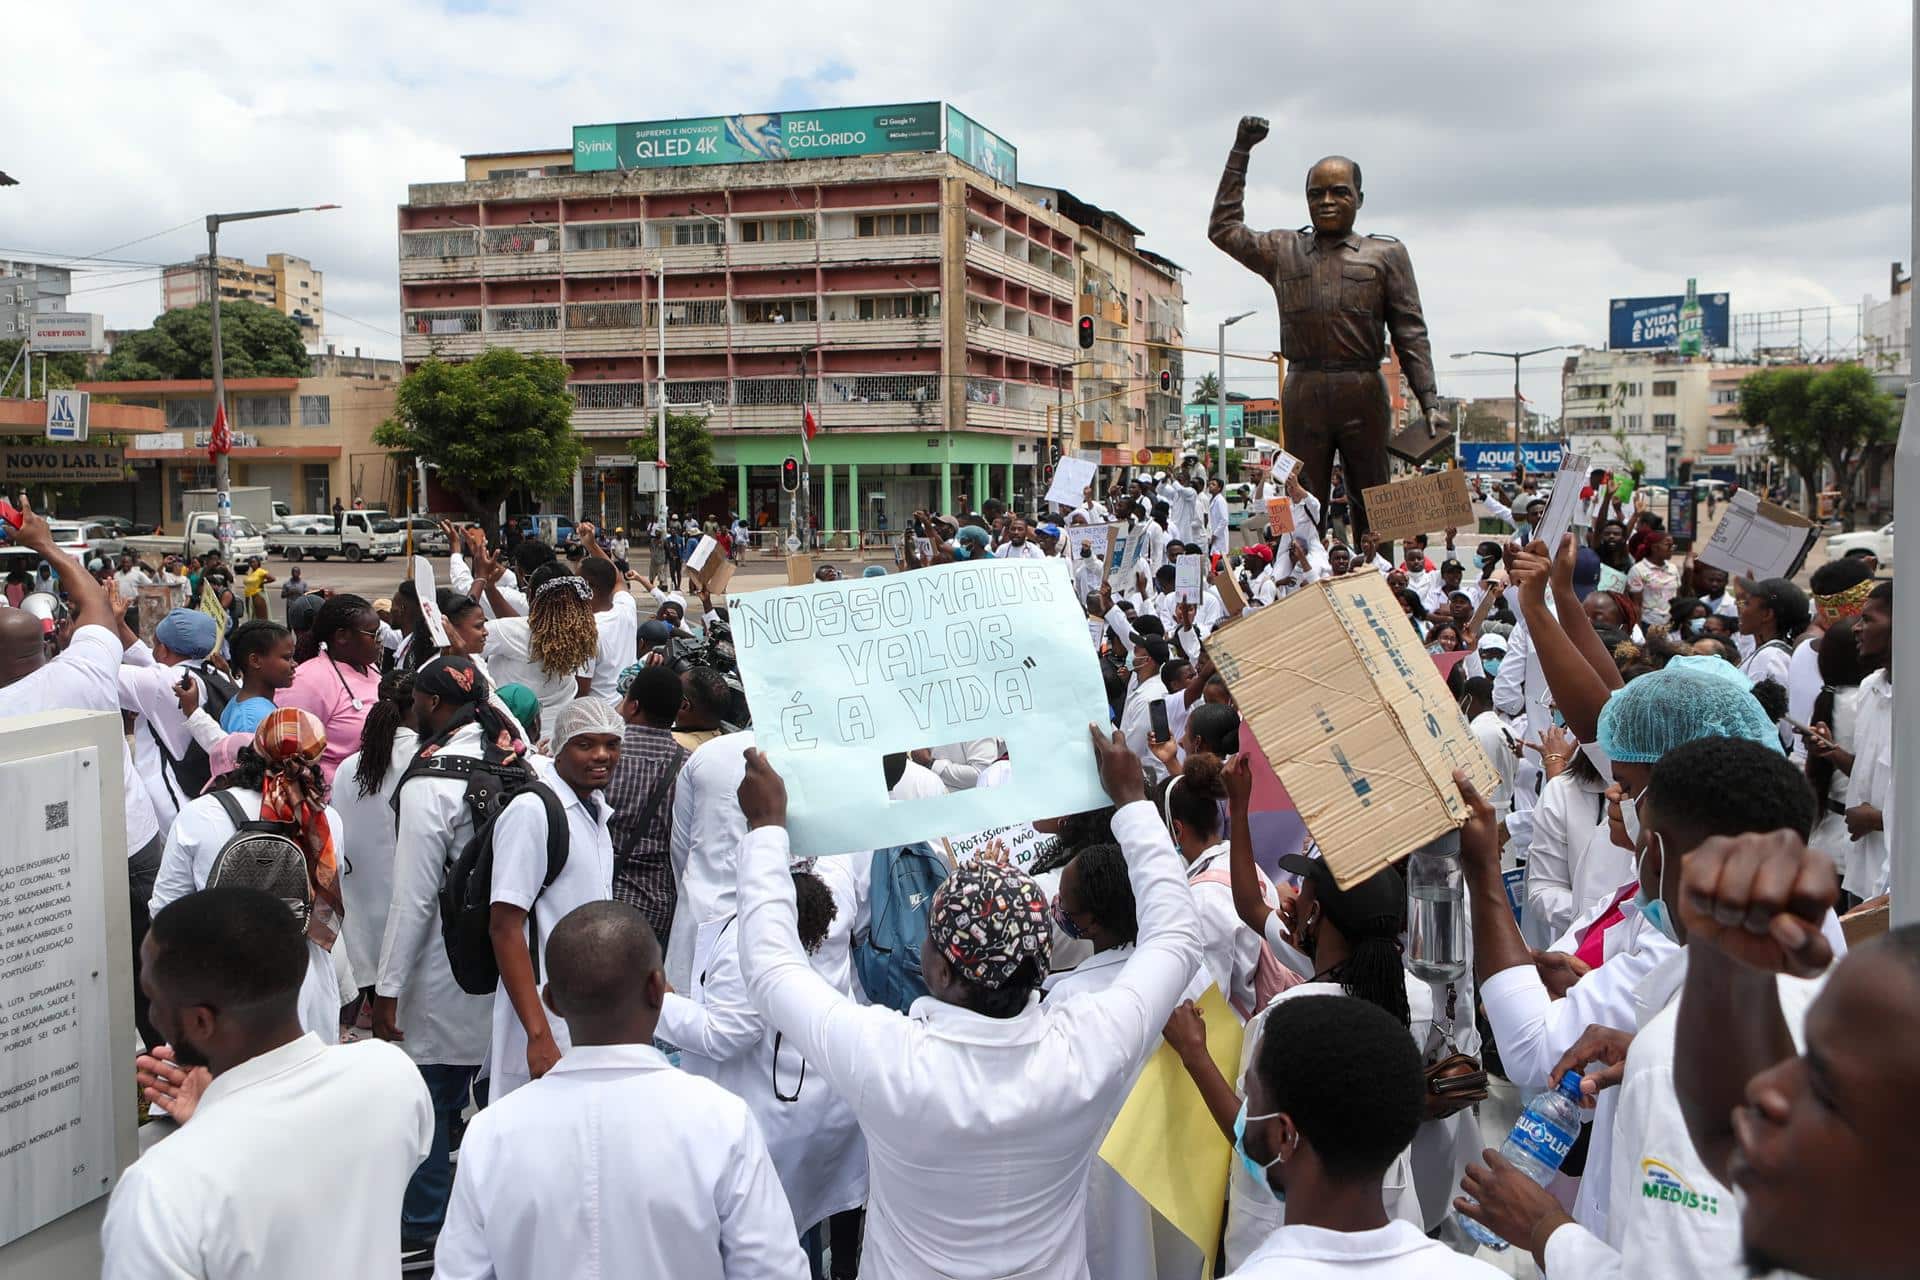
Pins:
x: 52, y: 464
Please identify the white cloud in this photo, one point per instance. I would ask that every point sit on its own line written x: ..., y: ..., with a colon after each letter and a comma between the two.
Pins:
x: 1536, y: 159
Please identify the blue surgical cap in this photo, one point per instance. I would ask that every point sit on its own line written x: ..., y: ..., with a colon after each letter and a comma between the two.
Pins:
x: 874, y: 571
x: 972, y: 542
x: 1687, y: 699
x: 188, y: 632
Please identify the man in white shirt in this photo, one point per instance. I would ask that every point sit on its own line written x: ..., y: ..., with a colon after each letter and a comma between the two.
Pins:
x: 1019, y: 544
x: 586, y: 746
x: 1870, y: 779
x: 614, y: 1163
x: 1219, y: 526
x: 974, y: 1177
x: 1150, y: 653
x: 291, y: 1156
x: 162, y: 740
x: 1491, y: 732
x: 707, y: 830
x: 615, y: 614
x: 416, y: 1001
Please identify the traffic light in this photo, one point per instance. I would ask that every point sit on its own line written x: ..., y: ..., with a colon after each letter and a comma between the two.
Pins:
x: 1056, y: 453
x: 790, y: 474
x: 1166, y: 379
x: 1086, y: 333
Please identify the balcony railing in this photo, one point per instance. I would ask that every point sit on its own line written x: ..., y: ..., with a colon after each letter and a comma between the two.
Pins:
x: 439, y: 323
x: 522, y: 319
x: 437, y: 244
x: 606, y: 315
x: 522, y: 239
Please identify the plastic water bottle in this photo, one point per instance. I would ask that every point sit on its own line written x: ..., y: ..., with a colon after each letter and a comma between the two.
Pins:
x: 1437, y: 911
x: 1540, y: 1140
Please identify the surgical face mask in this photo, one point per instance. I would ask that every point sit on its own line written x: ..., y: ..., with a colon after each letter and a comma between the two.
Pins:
x: 1490, y: 664
x: 1696, y: 627
x: 1654, y: 908
x: 1255, y: 1170
x: 1064, y: 922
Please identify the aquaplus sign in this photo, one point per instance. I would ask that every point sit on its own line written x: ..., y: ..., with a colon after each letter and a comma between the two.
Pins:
x: 756, y: 139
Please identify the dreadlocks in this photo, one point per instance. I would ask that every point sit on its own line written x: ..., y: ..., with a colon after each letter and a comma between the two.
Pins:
x: 564, y: 637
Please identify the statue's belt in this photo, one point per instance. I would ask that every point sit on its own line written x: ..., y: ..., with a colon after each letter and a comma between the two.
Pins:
x: 1333, y: 366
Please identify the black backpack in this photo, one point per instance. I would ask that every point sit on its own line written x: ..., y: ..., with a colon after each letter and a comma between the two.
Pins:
x: 263, y: 855
x: 466, y: 891
x: 192, y: 771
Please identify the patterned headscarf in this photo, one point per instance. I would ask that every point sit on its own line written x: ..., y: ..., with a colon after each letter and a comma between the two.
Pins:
x: 295, y: 792
x: 566, y: 582
x: 1846, y: 604
x: 988, y: 919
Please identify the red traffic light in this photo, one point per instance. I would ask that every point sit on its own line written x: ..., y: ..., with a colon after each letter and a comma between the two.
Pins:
x: 1086, y: 333
x: 1166, y: 379
x: 790, y: 474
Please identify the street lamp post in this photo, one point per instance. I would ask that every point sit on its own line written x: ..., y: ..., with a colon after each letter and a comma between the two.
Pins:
x: 222, y: 472
x: 1220, y: 393
x: 1519, y: 413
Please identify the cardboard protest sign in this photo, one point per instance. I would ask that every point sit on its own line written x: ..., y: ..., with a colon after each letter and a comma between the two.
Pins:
x: 1123, y: 552
x: 708, y: 568
x: 155, y: 603
x: 1419, y: 504
x: 429, y: 600
x: 1563, y: 505
x: 1071, y: 476
x: 1023, y: 844
x: 1284, y: 465
x: 1189, y: 579
x: 1758, y: 540
x: 799, y: 570
x: 839, y: 674
x: 1280, y: 515
x: 1230, y: 598
x: 1355, y: 720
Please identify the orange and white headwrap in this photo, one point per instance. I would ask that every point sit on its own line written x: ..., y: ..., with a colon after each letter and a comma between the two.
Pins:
x: 294, y: 791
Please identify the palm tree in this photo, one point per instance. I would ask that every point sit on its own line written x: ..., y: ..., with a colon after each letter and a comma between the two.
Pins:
x: 1208, y: 391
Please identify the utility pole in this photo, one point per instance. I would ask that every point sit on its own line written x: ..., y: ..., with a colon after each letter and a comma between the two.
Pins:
x: 222, y: 472
x: 1519, y: 412
x: 1220, y: 396
x: 1904, y: 855
x: 660, y: 382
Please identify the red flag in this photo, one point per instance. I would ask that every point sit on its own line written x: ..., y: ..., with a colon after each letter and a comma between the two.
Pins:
x: 812, y: 427
x: 220, y: 440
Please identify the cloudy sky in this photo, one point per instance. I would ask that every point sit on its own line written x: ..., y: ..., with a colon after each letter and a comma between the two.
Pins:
x: 1537, y: 159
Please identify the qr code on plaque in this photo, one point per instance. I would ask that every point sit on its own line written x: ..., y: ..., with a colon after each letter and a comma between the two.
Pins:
x: 57, y: 816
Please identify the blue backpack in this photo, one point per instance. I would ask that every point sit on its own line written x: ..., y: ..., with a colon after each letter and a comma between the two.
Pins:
x: 887, y: 958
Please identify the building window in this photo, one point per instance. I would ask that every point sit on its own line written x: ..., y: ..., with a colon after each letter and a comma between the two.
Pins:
x: 1588, y: 391
x: 1630, y: 422
x: 1726, y: 395
x: 1723, y: 437
x: 897, y: 224
x: 612, y: 235
x: 1663, y: 420
x: 260, y: 411
x: 897, y: 306
x: 775, y: 310
x: 190, y: 415
x: 316, y: 411
x: 1601, y: 423
x: 776, y: 229
x: 702, y: 232
x: 1666, y: 388
x: 1628, y: 388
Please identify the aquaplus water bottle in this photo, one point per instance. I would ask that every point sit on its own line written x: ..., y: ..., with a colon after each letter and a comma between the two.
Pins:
x: 1540, y: 1140
x: 1437, y: 911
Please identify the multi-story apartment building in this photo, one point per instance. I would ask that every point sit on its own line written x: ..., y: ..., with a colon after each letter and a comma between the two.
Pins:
x: 916, y: 301
x: 1642, y: 393
x: 290, y: 285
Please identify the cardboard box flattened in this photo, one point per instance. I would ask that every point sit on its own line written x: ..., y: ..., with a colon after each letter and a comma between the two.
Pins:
x: 1355, y: 720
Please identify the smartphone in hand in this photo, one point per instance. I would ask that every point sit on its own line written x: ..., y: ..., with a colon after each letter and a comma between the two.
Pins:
x: 1157, y: 715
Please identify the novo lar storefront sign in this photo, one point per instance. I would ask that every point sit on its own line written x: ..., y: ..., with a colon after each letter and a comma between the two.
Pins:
x: 53, y: 464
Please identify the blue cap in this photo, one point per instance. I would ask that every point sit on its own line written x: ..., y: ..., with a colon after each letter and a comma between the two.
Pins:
x: 1586, y: 572
x: 188, y: 632
x: 874, y: 571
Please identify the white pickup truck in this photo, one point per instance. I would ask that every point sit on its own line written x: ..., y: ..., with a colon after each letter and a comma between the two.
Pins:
x: 201, y: 535
x: 369, y: 534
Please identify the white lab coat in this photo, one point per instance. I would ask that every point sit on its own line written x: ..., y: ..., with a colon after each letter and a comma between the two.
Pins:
x: 519, y: 866
x: 1872, y: 782
x: 707, y: 829
x: 1229, y: 950
x: 918, y: 782
x: 443, y: 1024
x: 973, y: 1176
x: 1396, y: 1250
x: 293, y: 1165
x: 958, y: 764
x: 1219, y: 528
x: 1136, y: 724
x: 1572, y: 861
x: 1829, y: 833
x: 195, y: 841
x: 1253, y: 1211
x: 510, y: 658
x: 619, y: 644
x: 811, y: 1134
x: 615, y: 1164
x: 366, y: 880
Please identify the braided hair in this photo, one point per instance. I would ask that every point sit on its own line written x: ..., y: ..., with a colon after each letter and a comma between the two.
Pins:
x: 382, y: 726
x: 1108, y: 893
x: 563, y: 636
x: 337, y: 614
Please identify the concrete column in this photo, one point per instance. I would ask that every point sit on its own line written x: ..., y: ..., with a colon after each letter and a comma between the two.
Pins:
x: 977, y: 492
x: 826, y: 485
x: 946, y: 485
x: 854, y: 505
x: 740, y: 503
x: 1009, y: 486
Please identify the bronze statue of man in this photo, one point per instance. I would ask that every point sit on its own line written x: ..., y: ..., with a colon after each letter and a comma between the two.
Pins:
x: 1337, y: 290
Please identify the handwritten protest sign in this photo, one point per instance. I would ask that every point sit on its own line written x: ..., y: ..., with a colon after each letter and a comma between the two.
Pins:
x: 1071, y: 476
x: 1087, y: 548
x: 1284, y: 465
x: 429, y: 600
x: 1122, y: 553
x: 1563, y: 504
x: 1024, y: 845
x: 1420, y: 504
x: 1757, y: 540
x: 1355, y: 720
x: 839, y: 674
x: 1189, y: 579
x: 1280, y: 515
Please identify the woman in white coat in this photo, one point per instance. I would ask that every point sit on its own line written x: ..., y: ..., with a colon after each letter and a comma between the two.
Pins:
x: 810, y: 1131
x: 276, y: 778
x: 367, y: 780
x: 1572, y: 861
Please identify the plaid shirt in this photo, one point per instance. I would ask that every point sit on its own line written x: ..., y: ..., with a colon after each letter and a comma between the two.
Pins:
x: 642, y: 862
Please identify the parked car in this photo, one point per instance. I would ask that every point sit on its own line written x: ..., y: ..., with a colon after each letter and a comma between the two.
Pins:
x: 117, y: 526
x: 200, y: 533
x: 357, y: 535
x: 555, y: 529
x: 277, y: 532
x: 428, y: 539
x: 85, y: 538
x: 1875, y: 542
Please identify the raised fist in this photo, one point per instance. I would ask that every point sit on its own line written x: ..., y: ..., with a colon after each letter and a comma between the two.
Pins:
x: 1253, y: 130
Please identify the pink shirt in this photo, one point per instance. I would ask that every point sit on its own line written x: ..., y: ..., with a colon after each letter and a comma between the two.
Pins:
x: 329, y: 689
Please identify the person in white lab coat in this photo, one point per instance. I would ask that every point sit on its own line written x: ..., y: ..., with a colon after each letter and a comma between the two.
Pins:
x: 291, y: 1155
x: 705, y: 844
x: 1136, y: 718
x: 528, y: 899
x: 1219, y: 526
x: 276, y: 778
x: 552, y: 650
x: 161, y: 739
x: 1335, y: 1094
x: 613, y: 1163
x: 416, y: 1002
x: 982, y: 1109
x: 1233, y: 953
x: 363, y: 789
x: 812, y: 1135
x: 616, y: 617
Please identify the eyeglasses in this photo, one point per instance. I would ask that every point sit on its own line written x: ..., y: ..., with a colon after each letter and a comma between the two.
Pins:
x: 798, y: 1085
x: 371, y: 635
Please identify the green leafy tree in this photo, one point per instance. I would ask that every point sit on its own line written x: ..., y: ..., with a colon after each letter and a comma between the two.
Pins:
x: 1208, y: 390
x: 64, y: 368
x: 1826, y: 418
x: 500, y: 422
x: 255, y: 342
x: 691, y: 474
